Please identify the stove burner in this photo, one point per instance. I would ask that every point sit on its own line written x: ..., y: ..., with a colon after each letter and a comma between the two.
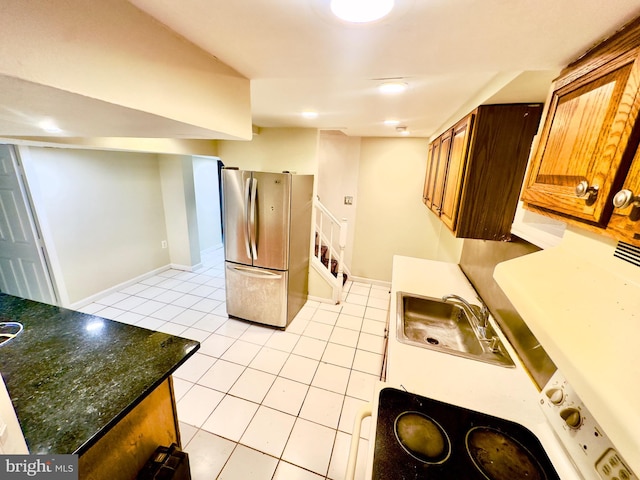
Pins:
x: 500, y: 457
x: 422, y: 437
x: 419, y: 438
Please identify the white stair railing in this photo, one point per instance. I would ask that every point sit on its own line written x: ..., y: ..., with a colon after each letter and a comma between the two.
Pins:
x: 332, y: 234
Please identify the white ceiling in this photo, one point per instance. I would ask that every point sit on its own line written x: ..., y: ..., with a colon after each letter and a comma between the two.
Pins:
x: 298, y: 57
x: 450, y: 52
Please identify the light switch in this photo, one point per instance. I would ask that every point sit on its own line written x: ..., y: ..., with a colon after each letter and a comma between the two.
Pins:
x: 348, y: 200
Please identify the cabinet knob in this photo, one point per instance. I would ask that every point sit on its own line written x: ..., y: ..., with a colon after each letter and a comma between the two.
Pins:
x: 624, y: 198
x: 583, y: 189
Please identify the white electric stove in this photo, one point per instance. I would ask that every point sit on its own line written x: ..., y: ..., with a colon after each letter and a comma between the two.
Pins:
x: 565, y: 442
x: 585, y: 442
x: 551, y: 429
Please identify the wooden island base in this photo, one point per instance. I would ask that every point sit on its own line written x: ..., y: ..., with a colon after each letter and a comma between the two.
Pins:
x: 122, y: 452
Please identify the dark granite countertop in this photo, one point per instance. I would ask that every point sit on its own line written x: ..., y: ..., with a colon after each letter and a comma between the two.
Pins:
x: 72, y: 376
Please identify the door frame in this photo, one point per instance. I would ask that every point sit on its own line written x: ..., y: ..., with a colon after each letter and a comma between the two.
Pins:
x: 37, y: 220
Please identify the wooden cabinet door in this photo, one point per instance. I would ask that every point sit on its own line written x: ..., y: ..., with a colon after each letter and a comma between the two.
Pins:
x: 441, y: 171
x: 430, y: 175
x: 584, y: 138
x: 455, y: 171
x: 625, y: 221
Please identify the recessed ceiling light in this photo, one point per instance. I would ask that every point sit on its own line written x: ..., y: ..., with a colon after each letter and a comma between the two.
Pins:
x: 310, y: 114
x: 361, y: 11
x: 392, y: 87
x: 402, y: 130
x: 392, y: 123
x: 49, y: 126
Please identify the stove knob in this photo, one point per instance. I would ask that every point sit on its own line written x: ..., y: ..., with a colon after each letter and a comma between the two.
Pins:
x: 556, y: 395
x: 571, y: 417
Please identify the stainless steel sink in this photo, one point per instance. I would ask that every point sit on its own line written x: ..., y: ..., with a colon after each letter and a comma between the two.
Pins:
x: 446, y: 327
x: 8, y: 331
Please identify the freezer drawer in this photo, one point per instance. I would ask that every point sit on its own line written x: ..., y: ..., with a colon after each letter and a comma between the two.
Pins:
x: 257, y: 294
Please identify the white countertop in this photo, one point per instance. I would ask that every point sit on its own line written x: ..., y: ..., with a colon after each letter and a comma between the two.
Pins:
x: 507, y: 393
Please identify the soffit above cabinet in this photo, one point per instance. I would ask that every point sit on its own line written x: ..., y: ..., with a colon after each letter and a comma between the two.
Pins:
x: 107, y: 69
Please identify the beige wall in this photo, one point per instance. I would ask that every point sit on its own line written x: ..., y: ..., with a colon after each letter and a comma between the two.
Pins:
x: 103, y: 215
x: 338, y: 166
x: 113, y: 52
x: 274, y: 150
x: 391, y: 218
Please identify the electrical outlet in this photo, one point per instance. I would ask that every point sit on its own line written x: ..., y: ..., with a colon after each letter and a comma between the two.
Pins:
x: 163, y: 244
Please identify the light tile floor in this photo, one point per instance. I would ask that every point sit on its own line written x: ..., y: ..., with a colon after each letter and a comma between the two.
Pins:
x: 256, y: 402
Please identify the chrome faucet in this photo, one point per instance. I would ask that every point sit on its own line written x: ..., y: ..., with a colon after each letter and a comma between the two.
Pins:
x: 480, y: 315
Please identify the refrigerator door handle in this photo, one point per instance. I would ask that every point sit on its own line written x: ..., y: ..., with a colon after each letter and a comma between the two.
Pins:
x: 253, y: 272
x: 253, y: 228
x: 245, y: 220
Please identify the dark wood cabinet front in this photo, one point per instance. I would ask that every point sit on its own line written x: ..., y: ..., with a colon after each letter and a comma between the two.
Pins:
x: 481, y: 161
x: 455, y: 171
x: 441, y: 171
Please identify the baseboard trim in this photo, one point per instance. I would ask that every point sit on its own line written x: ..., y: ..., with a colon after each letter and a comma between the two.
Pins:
x: 321, y: 299
x: 128, y: 283
x: 380, y: 283
x: 185, y: 268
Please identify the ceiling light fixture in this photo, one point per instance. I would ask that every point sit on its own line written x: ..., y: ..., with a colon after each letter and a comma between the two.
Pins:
x: 49, y: 126
x: 392, y: 87
x: 310, y: 114
x: 392, y: 123
x: 361, y: 11
x: 402, y: 130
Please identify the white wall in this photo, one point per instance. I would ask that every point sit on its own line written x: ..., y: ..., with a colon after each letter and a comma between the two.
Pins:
x: 104, y: 215
x: 178, y: 197
x: 205, y: 177
x: 391, y: 218
x: 338, y: 166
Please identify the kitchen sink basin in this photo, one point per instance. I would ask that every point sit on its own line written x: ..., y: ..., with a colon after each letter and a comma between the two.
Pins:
x: 446, y: 327
x: 8, y: 331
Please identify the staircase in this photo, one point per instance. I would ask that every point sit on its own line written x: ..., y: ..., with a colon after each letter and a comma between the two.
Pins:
x: 328, y: 254
x: 326, y: 258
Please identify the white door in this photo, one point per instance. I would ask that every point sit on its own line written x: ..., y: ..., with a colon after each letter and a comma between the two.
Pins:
x: 23, y: 270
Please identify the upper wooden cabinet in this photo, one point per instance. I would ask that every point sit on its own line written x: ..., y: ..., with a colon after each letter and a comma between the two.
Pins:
x: 475, y: 169
x: 443, y: 148
x: 455, y: 170
x: 584, y: 141
x: 586, y: 153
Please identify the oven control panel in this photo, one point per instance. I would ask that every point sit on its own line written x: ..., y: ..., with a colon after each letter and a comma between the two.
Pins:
x: 590, y: 449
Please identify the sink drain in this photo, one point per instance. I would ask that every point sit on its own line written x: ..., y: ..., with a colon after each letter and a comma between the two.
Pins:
x: 432, y: 341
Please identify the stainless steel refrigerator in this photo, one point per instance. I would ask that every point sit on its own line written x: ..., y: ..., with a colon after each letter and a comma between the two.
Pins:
x: 267, y: 242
